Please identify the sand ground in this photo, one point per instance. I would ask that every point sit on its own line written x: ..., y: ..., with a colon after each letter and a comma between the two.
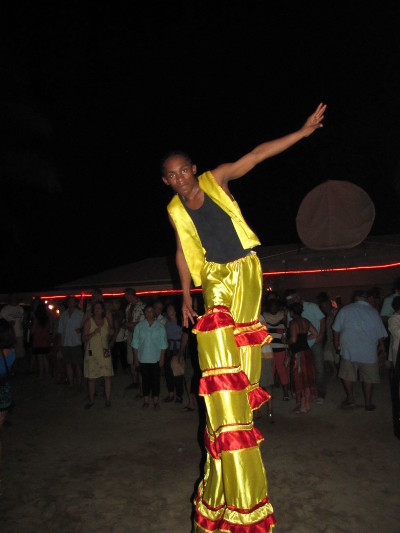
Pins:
x: 123, y: 469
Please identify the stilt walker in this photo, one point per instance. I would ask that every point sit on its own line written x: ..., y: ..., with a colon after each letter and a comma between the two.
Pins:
x: 215, y: 250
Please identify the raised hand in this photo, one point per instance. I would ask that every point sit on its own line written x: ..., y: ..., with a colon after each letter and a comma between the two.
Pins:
x: 314, y: 121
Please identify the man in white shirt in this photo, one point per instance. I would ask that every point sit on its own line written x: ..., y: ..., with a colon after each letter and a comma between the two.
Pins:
x: 69, y: 327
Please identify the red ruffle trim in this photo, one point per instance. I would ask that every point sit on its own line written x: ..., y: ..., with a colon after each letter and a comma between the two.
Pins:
x: 262, y: 526
x: 234, y: 382
x: 230, y: 441
x: 257, y: 397
x: 216, y: 317
x: 253, y: 337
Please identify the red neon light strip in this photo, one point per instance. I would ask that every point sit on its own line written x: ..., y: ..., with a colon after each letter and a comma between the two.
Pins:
x: 265, y: 274
x: 338, y: 269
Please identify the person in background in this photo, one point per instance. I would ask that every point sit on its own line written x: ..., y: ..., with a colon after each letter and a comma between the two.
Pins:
x: 374, y: 297
x: 118, y: 341
x: 173, y: 328
x: 149, y: 344
x: 42, y: 330
x: 192, y: 372
x: 358, y: 333
x: 133, y: 315
x: 267, y: 376
x: 394, y: 362
x: 7, y: 358
x: 302, y: 362
x: 69, y: 328
x: 98, y: 362
x: 313, y: 313
x: 387, y: 309
x: 158, y: 307
x: 14, y: 313
x: 275, y: 319
x: 331, y: 356
x: 394, y: 330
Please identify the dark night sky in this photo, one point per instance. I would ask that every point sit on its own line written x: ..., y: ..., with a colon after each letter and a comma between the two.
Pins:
x: 92, y: 96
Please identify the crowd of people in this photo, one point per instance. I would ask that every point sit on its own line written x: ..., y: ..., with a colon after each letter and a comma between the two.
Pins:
x: 90, y: 340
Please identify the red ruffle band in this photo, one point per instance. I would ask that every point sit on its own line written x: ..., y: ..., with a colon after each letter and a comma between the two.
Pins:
x: 216, y: 317
x: 216, y: 525
x: 253, y: 337
x: 257, y: 397
x: 230, y: 441
x: 234, y: 382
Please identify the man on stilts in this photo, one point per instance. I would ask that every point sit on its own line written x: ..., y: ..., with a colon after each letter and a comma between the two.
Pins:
x: 215, y: 250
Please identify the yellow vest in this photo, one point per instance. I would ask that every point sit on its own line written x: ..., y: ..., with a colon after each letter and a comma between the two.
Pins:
x: 192, y: 248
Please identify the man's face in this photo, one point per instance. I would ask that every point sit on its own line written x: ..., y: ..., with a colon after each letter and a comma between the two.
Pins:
x: 179, y: 174
x: 131, y: 298
x: 158, y: 308
x: 149, y: 314
x: 71, y: 304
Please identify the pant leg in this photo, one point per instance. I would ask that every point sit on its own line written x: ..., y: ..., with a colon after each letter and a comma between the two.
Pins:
x: 178, y: 381
x: 279, y: 358
x: 233, y: 493
x: 146, y: 378
x: 318, y: 355
x: 121, y: 354
x: 169, y: 375
x: 155, y: 379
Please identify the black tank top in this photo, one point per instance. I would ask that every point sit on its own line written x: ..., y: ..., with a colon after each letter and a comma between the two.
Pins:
x: 217, y: 233
x: 301, y: 344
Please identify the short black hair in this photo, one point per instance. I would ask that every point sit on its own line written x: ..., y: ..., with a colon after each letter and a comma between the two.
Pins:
x: 99, y: 302
x: 130, y: 291
x: 173, y: 153
x: 296, y: 308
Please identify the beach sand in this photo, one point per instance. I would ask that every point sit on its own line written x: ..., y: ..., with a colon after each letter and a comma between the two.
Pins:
x: 124, y: 469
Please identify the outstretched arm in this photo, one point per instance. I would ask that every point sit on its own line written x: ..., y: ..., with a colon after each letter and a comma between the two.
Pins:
x: 231, y: 171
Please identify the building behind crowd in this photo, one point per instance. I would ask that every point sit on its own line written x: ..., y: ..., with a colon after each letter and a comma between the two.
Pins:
x: 375, y: 262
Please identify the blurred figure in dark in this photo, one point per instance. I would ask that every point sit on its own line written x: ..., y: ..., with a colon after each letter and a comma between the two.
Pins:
x: 7, y: 358
x: 331, y: 356
x: 173, y: 377
x: 42, y: 337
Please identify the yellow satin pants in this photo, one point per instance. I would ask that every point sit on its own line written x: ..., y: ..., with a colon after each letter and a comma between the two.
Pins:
x: 233, y: 493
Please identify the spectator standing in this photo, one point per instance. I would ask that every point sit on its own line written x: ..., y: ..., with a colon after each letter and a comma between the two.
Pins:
x: 302, y: 361
x: 331, y: 356
x: 387, y: 309
x: 313, y: 313
x: 173, y: 328
x: 42, y: 337
x: 14, y: 313
x: 98, y: 362
x: 149, y: 344
x: 133, y: 315
x: 394, y: 330
x: 118, y: 343
x: 275, y: 320
x: 69, y: 328
x: 358, y: 334
x: 7, y: 358
x: 267, y: 376
x: 158, y: 307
